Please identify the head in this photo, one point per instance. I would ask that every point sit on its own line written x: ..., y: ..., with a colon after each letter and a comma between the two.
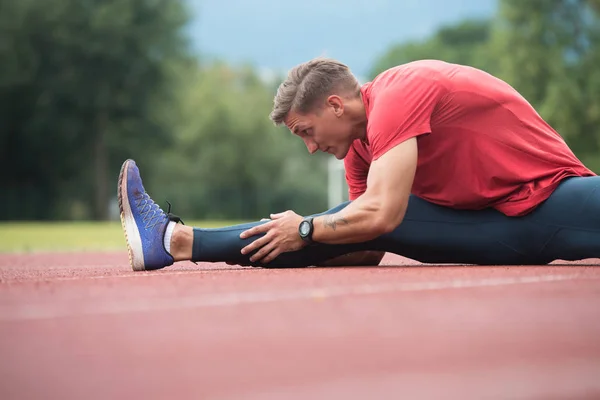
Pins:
x: 320, y: 101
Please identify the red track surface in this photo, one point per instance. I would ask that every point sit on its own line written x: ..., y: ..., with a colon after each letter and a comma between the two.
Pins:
x: 83, y: 326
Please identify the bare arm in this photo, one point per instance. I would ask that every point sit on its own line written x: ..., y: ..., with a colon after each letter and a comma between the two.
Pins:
x: 379, y: 210
x: 383, y: 205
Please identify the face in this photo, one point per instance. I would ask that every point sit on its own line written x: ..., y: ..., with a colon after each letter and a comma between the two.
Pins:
x: 328, y: 129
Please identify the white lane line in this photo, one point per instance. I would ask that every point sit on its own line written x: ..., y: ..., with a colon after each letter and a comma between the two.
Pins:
x: 145, y: 274
x: 146, y: 304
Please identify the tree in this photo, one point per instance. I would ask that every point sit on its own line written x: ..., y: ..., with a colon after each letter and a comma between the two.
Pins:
x: 229, y: 160
x: 463, y: 43
x: 81, y: 85
x: 549, y: 51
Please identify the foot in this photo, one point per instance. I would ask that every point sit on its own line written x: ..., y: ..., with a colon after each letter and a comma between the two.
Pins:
x: 144, y: 222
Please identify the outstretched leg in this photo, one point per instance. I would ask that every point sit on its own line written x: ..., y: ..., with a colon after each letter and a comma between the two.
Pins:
x: 145, y: 225
x: 566, y: 226
x: 224, y: 245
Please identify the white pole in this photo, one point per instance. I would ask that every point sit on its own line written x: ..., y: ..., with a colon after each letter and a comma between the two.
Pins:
x: 335, y: 177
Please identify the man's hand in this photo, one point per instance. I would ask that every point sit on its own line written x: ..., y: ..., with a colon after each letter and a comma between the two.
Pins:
x: 281, y: 235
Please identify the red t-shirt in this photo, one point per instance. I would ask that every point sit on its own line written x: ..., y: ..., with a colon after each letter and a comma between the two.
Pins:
x: 480, y: 143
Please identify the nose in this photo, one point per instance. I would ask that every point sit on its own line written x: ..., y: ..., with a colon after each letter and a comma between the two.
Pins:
x: 311, y: 145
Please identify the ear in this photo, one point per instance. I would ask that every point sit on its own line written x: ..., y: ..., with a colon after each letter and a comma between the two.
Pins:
x: 337, y: 104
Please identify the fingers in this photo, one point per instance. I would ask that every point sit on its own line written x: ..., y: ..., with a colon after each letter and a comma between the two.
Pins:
x: 279, y: 236
x: 264, y: 251
x: 280, y: 215
x: 271, y: 256
x: 257, y: 230
x: 261, y: 242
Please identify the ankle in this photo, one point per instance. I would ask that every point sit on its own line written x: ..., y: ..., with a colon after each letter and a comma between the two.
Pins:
x: 181, y: 242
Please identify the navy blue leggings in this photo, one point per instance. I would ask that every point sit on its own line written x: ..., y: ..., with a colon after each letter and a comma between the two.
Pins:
x: 566, y: 227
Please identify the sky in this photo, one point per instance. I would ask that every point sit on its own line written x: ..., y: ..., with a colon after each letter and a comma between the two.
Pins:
x: 276, y: 35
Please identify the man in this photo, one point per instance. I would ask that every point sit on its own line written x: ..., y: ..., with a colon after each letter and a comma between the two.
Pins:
x: 444, y: 163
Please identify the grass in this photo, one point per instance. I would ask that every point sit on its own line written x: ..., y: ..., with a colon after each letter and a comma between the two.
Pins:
x: 21, y: 237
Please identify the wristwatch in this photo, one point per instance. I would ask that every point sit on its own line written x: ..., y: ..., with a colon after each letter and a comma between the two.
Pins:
x: 306, y: 229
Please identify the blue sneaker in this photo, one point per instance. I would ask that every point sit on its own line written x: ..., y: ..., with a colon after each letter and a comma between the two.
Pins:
x: 144, y: 222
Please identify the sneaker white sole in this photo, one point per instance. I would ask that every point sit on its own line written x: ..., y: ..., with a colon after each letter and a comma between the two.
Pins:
x: 132, y: 234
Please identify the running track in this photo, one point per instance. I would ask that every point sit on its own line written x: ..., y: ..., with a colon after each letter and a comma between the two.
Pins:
x: 83, y: 326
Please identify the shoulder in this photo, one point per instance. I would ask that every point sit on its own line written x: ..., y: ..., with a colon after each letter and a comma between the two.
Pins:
x: 432, y: 70
x: 411, y: 80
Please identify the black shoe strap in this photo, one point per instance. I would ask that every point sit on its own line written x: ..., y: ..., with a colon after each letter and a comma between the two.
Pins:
x: 173, y: 217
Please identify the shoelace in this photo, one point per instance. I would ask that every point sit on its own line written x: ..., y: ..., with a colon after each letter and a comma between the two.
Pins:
x: 150, y: 212
x: 153, y: 215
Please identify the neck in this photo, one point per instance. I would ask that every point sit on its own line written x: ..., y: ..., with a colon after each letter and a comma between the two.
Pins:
x: 358, y: 118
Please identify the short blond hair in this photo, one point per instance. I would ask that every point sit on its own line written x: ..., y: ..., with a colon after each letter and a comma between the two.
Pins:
x: 310, y: 83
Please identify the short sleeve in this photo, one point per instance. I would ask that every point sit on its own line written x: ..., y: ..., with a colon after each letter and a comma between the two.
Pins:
x: 402, y: 110
x: 357, y: 170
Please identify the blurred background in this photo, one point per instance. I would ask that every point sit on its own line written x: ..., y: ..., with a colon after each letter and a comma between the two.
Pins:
x: 185, y: 88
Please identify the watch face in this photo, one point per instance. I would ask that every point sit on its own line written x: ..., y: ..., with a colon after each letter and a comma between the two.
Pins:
x: 304, y: 228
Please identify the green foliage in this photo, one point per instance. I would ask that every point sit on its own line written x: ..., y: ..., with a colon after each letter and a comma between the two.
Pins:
x: 229, y: 160
x: 464, y: 43
x: 550, y: 52
x: 79, y: 86
x: 86, y: 84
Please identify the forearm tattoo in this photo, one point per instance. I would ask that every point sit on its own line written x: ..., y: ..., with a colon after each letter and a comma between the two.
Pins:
x: 332, y: 221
